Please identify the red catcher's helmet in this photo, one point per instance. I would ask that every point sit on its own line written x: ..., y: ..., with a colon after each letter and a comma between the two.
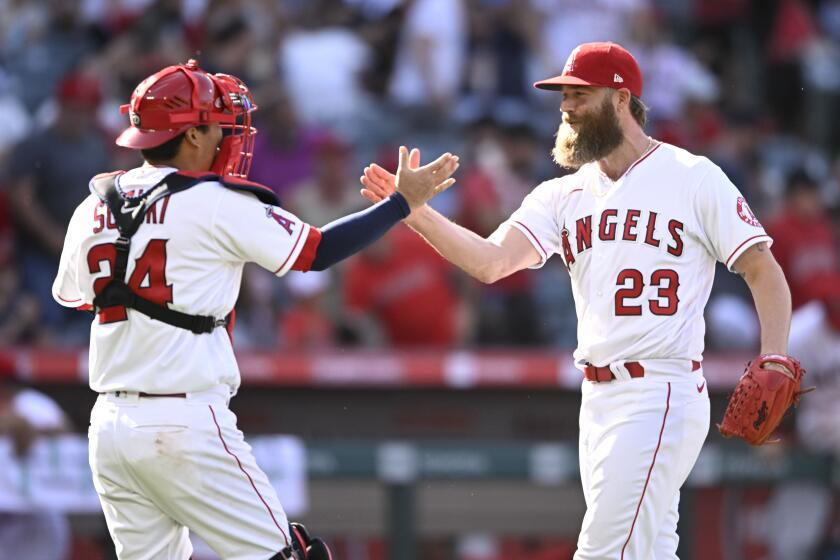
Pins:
x: 179, y: 97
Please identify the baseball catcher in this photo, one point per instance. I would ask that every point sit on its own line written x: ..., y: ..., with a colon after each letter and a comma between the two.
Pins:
x: 157, y: 253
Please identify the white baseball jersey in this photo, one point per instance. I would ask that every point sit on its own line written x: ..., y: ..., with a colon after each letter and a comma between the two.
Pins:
x: 641, y: 250
x: 187, y: 255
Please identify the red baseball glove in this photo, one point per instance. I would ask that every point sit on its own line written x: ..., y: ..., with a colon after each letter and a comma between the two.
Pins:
x: 761, y: 398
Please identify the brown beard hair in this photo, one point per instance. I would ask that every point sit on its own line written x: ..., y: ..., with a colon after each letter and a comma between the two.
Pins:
x: 599, y: 134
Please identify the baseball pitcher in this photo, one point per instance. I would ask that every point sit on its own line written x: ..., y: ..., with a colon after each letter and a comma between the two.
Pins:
x: 639, y: 227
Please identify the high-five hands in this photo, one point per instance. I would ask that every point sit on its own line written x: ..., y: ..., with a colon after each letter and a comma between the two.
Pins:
x: 417, y: 184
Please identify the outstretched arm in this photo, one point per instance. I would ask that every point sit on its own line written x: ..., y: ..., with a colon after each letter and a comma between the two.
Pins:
x: 506, y: 251
x: 771, y: 294
x: 348, y: 235
x: 489, y: 259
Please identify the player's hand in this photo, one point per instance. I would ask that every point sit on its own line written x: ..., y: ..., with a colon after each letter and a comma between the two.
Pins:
x: 379, y: 183
x: 419, y: 184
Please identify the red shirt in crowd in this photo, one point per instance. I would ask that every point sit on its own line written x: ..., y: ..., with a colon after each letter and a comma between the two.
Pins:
x: 306, y: 328
x: 805, y: 248
x: 482, y: 209
x: 404, y: 284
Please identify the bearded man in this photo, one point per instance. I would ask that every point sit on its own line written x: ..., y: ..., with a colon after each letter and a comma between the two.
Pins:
x: 639, y: 226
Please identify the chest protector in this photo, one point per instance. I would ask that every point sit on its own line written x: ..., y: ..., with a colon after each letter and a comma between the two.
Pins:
x: 129, y: 213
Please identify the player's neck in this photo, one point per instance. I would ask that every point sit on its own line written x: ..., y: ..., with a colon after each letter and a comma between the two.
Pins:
x: 636, y: 145
x: 179, y: 163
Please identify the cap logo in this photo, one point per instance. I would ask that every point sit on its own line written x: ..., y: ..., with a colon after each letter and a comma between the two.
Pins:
x: 134, y: 118
x: 618, y: 79
x: 570, y: 62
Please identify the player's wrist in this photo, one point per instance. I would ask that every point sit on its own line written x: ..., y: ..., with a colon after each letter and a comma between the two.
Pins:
x: 777, y: 350
x: 418, y: 215
x: 402, y: 204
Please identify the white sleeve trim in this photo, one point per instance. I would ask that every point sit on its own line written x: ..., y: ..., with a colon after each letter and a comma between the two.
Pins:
x: 71, y: 303
x: 746, y: 244
x: 300, y: 242
x: 529, y: 235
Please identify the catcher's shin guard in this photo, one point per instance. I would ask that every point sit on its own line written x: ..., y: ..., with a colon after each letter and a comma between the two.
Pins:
x: 305, y: 547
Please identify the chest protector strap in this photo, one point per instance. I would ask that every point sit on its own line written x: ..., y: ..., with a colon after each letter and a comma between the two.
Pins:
x: 129, y: 213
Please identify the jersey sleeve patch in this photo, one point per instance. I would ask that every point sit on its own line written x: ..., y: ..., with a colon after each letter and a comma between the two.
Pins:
x: 728, y: 225
x: 746, y: 213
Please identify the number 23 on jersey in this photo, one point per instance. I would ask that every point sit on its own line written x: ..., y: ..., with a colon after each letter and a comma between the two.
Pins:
x: 631, y: 282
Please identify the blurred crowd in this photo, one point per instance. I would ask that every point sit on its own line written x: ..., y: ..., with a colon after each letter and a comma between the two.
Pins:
x: 752, y: 84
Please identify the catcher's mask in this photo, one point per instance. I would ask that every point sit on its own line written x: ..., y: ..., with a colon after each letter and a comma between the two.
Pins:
x: 179, y: 97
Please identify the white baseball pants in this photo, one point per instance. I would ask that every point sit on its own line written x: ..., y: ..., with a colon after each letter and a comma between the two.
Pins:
x: 163, y: 466
x: 639, y: 439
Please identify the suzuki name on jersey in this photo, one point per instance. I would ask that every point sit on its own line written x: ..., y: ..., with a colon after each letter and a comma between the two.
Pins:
x: 102, y: 218
x: 635, y: 226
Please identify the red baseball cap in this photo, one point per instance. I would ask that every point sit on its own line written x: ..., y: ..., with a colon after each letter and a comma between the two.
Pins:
x: 79, y: 90
x: 601, y: 65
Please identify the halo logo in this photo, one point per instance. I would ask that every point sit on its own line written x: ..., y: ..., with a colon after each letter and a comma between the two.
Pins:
x: 746, y: 213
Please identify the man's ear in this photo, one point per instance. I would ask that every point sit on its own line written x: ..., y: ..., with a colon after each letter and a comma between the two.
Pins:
x: 623, y: 96
x: 192, y: 136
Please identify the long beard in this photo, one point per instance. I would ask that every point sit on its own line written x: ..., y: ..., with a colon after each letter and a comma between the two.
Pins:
x: 598, y: 134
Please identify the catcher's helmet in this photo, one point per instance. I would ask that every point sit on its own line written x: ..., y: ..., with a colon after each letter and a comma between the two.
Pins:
x: 176, y: 98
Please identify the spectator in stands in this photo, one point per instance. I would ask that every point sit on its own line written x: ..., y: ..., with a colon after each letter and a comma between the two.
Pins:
x: 306, y: 325
x: 26, y: 415
x: 793, y: 30
x: 404, y: 286
x: 229, y: 45
x: 503, y: 36
x: 323, y: 63
x: 804, y: 242
x: 39, y: 56
x: 831, y: 194
x: 16, y: 121
x: 506, y: 165
x: 430, y: 57
x: 815, y: 335
x: 380, y: 27
x: 567, y: 23
x: 821, y: 78
x: 260, y: 302
x: 332, y: 191
x: 673, y: 75
x: 47, y: 175
x: 284, y: 150
x: 19, y: 310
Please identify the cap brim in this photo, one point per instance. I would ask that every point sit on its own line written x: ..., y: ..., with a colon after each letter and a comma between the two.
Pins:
x: 558, y: 82
x: 140, y: 139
